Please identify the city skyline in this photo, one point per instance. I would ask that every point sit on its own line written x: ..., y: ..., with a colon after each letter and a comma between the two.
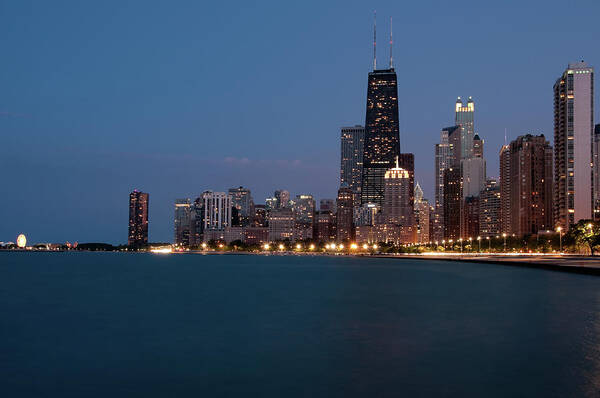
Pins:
x: 90, y: 165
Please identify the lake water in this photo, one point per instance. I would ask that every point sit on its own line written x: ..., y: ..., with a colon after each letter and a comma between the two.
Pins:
x: 143, y: 325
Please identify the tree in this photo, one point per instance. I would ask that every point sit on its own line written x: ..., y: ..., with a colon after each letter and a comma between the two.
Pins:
x: 586, y: 233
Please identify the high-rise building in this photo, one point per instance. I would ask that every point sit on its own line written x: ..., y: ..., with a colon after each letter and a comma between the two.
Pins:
x: 183, y: 222
x: 464, y: 117
x: 138, y: 219
x: 324, y: 230
x: 573, y: 144
x: 596, y: 172
x: 477, y: 146
x: 241, y: 200
x: 281, y: 224
x: 382, y: 134
x: 366, y: 215
x: 282, y: 198
x: 473, y: 175
x: 304, y: 209
x: 197, y: 222
x: 505, y: 217
x: 398, y: 205
x: 345, y: 214
x: 217, y: 210
x: 530, y: 206
x: 471, y: 217
x: 327, y: 205
x: 444, y: 158
x: 422, y: 212
x: 452, y: 203
x: 271, y: 203
x: 260, y: 216
x: 489, y: 210
x: 352, y: 142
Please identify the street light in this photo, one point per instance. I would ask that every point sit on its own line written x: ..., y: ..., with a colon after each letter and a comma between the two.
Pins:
x: 479, y: 241
x: 489, y: 243
x: 559, y: 230
x: 504, y: 236
x: 461, y: 239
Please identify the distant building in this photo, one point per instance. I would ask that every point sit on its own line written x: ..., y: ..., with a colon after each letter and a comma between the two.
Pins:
x: 217, y: 211
x: 182, y: 222
x: 256, y: 235
x: 352, y: 151
x: 260, y: 216
x: 445, y: 157
x: 573, y: 149
x: 596, y: 171
x: 366, y: 214
x: 282, y: 198
x: 382, y: 134
x: 197, y: 222
x: 138, y: 219
x: 471, y: 218
x: 464, y: 117
x: 398, y: 205
x: 345, y: 214
x: 304, y: 209
x: 422, y: 212
x: 505, y: 181
x: 324, y: 230
x: 241, y: 200
x: 477, y: 146
x: 489, y: 210
x: 452, y: 203
x: 473, y: 176
x: 530, y: 187
x: 281, y: 224
x: 327, y: 205
x: 271, y: 203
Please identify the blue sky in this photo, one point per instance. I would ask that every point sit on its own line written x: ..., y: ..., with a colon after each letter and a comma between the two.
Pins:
x: 173, y: 98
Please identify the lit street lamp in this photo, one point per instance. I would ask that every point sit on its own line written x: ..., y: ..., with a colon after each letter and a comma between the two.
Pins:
x: 479, y: 241
x: 504, y: 236
x: 559, y: 230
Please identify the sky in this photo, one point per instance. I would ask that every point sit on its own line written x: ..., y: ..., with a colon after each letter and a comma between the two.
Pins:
x: 174, y: 98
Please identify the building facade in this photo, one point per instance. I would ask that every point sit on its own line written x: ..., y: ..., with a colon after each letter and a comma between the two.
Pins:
x: 182, y: 222
x: 217, y: 211
x: 489, y: 210
x: 241, y: 200
x: 352, y: 151
x: 281, y: 224
x: 138, y: 219
x: 573, y: 145
x: 382, y: 134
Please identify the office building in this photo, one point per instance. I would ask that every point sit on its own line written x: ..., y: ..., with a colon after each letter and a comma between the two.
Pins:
x: 282, y: 198
x: 530, y: 190
x: 217, y: 211
x: 352, y: 150
x: 281, y: 224
x: 183, y: 222
x: 345, y: 214
x: 382, y: 134
x: 452, y: 203
x: 471, y: 217
x: 327, y: 205
x: 304, y: 209
x: 489, y: 210
x: 241, y: 200
x: 422, y: 213
x: 505, y: 217
x: 573, y: 145
x: 464, y: 117
x: 324, y: 227
x: 398, y: 205
x: 138, y: 219
x: 596, y: 172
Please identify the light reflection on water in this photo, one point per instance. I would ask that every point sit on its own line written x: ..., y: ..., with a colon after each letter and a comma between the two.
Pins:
x: 124, y: 324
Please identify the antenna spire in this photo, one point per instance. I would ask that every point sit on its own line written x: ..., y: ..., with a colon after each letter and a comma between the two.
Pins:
x: 391, y: 45
x: 375, y: 40
x: 505, y: 143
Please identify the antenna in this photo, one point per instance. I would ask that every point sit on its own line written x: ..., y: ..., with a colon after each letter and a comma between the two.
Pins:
x: 505, y: 136
x: 375, y: 40
x: 391, y: 45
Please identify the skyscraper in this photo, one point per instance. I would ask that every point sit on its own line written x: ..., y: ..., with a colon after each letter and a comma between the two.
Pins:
x: 530, y: 191
x: 283, y: 198
x: 138, y: 219
x: 444, y: 158
x: 398, y: 206
x: 505, y: 217
x: 596, y: 172
x: 464, y: 117
x: 345, y: 214
x: 489, y: 210
x: 421, y: 215
x: 573, y: 144
x: 241, y: 200
x: 452, y: 203
x: 382, y: 134
x: 182, y: 222
x: 217, y: 210
x: 352, y: 150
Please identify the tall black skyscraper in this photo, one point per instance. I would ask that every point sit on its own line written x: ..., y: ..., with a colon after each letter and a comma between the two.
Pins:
x: 382, y: 133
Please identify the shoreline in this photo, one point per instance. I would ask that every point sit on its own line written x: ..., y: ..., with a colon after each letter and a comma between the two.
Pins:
x: 563, y: 263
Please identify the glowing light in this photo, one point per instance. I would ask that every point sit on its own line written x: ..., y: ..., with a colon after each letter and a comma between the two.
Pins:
x: 21, y: 241
x: 204, y: 245
x: 312, y: 247
x: 281, y: 247
x: 162, y: 250
x: 340, y: 246
x: 298, y: 246
x: 365, y: 246
x: 354, y: 246
x: 375, y: 247
x: 266, y: 246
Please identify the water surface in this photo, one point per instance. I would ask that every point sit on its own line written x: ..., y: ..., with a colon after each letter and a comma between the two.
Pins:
x: 143, y: 325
